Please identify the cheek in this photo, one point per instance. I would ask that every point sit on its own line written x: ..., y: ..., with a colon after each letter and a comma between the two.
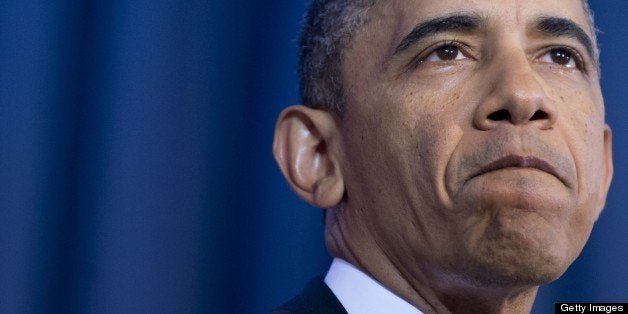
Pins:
x: 584, y: 132
x: 585, y: 137
x: 434, y: 122
x: 397, y: 153
x: 590, y: 169
x: 431, y: 126
x: 581, y: 121
x: 434, y: 148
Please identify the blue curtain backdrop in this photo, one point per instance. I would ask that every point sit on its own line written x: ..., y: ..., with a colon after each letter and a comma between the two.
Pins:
x: 136, y: 166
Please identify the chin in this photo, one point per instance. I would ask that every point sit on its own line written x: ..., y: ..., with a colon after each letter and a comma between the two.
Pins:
x: 497, y: 266
x: 528, y: 254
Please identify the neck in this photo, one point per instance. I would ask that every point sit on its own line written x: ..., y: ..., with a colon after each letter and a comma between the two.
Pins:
x: 428, y: 291
x: 488, y: 300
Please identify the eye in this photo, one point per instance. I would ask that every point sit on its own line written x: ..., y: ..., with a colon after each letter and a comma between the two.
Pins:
x: 445, y: 53
x: 560, y: 56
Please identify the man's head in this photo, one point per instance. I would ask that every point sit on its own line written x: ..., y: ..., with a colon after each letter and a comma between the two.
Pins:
x: 471, y: 150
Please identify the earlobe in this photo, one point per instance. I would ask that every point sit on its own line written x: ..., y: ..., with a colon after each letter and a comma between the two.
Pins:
x: 306, y: 150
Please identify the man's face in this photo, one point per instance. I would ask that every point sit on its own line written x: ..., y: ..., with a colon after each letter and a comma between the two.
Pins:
x: 474, y: 149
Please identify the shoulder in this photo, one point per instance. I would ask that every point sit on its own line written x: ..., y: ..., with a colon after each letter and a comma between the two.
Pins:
x: 316, y: 297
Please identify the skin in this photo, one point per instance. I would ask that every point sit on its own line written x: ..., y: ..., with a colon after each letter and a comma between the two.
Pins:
x: 405, y: 172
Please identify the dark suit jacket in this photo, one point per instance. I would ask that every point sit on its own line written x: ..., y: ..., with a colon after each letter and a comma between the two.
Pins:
x: 316, y: 297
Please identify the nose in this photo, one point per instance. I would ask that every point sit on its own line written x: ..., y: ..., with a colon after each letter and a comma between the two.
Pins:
x: 515, y: 96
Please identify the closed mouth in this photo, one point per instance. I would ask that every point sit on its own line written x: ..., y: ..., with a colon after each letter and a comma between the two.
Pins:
x: 516, y: 161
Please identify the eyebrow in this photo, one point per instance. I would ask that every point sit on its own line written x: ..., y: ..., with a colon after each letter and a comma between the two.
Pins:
x: 560, y: 27
x: 457, y: 23
x: 465, y: 23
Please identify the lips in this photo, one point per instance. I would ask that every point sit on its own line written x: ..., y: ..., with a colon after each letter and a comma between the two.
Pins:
x: 516, y: 161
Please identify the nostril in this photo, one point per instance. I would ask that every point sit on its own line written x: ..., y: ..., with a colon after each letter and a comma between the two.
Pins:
x: 499, y: 115
x: 539, y: 115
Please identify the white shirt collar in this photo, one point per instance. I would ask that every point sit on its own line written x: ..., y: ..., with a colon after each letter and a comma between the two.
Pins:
x: 361, y: 294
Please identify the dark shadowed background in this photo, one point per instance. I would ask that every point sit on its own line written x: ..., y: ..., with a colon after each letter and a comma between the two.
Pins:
x: 136, y: 168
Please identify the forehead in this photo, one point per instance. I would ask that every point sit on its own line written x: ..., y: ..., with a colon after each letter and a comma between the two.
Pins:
x: 504, y: 8
x: 397, y: 17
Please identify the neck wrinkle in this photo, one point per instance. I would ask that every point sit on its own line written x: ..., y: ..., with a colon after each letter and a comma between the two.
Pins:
x: 366, y: 255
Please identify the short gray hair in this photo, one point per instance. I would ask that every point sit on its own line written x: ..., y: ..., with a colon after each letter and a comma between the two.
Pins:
x: 328, y: 27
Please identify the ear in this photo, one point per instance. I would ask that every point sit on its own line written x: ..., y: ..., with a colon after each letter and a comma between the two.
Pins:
x: 306, y: 149
x: 608, y: 168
